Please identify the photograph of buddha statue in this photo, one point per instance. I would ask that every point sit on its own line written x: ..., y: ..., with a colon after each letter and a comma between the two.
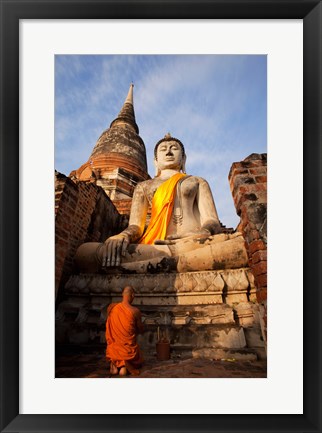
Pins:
x: 146, y: 259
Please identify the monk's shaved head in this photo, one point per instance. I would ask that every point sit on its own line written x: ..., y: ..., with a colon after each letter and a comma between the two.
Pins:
x: 128, y: 290
x: 128, y: 294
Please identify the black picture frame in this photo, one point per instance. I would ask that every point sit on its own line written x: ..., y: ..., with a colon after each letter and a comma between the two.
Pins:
x: 11, y: 12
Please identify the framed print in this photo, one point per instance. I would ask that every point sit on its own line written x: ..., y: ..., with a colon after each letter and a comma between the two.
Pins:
x: 39, y: 39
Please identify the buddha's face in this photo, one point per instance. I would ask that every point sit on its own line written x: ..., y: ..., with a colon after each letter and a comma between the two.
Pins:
x: 169, y: 155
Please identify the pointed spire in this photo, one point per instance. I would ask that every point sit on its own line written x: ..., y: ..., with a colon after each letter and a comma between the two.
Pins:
x: 127, y: 111
x: 129, y: 98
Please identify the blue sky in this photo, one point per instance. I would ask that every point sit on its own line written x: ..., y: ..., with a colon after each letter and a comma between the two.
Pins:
x: 215, y: 104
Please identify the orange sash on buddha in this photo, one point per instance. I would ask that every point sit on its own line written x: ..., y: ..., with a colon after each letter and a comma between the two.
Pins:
x: 122, y: 348
x: 162, y: 206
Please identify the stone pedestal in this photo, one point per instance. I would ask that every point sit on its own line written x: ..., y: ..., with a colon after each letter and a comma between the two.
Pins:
x: 209, y: 313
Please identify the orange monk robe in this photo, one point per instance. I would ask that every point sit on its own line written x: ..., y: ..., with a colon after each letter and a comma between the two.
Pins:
x: 162, y: 206
x: 121, y: 330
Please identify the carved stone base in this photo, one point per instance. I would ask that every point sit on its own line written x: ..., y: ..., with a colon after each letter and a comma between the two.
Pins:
x: 189, y: 288
x: 198, y: 312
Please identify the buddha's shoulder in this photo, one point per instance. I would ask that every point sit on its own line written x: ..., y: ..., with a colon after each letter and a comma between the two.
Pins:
x: 142, y: 185
x: 196, y: 179
x: 147, y: 184
x: 155, y: 182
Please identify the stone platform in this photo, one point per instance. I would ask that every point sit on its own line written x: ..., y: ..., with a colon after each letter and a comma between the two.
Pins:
x: 208, y: 314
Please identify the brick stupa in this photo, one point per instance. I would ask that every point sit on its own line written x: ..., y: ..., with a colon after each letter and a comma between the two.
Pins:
x: 118, y: 160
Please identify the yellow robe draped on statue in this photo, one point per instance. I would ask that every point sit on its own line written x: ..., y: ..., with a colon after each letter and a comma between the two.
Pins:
x: 162, y: 206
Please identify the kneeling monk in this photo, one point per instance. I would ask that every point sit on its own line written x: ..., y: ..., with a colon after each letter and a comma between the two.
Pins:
x: 122, y: 326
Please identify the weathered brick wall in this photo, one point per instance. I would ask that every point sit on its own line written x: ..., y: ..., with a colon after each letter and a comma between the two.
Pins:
x: 248, y: 184
x: 123, y: 206
x: 83, y: 213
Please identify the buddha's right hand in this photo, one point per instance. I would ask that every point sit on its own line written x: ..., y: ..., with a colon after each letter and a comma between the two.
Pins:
x: 113, y: 249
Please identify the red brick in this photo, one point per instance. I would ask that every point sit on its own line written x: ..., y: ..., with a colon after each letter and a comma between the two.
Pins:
x: 261, y: 295
x: 261, y: 195
x: 261, y: 179
x: 258, y: 171
x: 243, y: 179
x: 255, y: 187
x: 66, y: 225
x: 261, y: 281
x: 251, y: 235
x: 249, y: 225
x: 256, y: 246
x: 259, y: 256
x: 247, y: 192
x: 259, y: 268
x: 62, y: 242
x: 254, y: 163
x: 237, y: 168
x: 61, y: 234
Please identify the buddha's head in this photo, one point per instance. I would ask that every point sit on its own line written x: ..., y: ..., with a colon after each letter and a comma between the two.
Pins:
x: 169, y: 153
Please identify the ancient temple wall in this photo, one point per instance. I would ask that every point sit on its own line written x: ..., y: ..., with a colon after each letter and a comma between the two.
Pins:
x: 248, y: 184
x: 83, y: 213
x: 123, y: 206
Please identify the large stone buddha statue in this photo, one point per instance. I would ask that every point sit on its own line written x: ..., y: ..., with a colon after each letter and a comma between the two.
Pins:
x: 184, y: 233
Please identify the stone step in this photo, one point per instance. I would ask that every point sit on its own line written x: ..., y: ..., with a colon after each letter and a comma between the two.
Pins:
x: 195, y: 336
x: 93, y: 311
x: 217, y: 354
x: 199, y: 287
x: 187, y: 314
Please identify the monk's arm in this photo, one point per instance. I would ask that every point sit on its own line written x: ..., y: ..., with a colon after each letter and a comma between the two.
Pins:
x: 110, y: 308
x: 208, y: 214
x: 138, y: 321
